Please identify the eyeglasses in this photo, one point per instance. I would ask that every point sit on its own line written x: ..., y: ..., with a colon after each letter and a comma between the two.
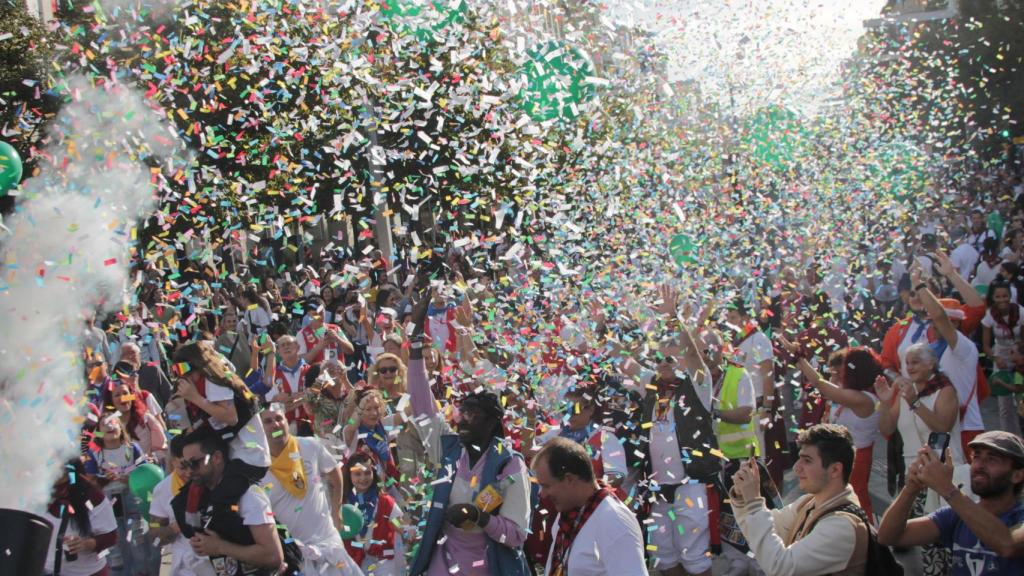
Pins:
x: 661, y: 359
x: 194, y: 463
x: 387, y: 369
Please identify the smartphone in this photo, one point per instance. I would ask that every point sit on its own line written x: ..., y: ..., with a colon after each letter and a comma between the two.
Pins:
x: 938, y: 442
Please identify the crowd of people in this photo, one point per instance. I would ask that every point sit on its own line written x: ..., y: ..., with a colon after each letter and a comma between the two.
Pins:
x: 473, y: 421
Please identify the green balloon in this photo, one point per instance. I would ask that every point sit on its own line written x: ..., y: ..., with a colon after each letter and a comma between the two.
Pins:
x: 141, y: 482
x: 10, y: 168
x: 682, y: 250
x: 410, y: 16
x: 556, y: 85
x: 351, y: 521
x: 776, y: 137
x: 898, y: 169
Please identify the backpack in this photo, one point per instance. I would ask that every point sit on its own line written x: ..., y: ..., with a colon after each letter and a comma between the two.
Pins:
x: 880, y: 561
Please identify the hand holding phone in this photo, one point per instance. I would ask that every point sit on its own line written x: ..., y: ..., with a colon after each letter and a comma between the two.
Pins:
x: 938, y: 442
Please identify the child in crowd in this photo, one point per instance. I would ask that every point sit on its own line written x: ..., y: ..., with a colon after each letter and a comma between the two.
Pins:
x: 377, y: 548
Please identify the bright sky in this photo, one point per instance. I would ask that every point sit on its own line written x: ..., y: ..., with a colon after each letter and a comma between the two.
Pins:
x: 764, y: 51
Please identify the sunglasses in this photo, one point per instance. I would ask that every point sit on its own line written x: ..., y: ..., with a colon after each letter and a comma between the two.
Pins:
x: 660, y: 359
x: 194, y: 463
x: 387, y: 370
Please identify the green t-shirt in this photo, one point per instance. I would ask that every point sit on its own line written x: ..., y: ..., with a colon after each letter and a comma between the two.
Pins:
x: 1004, y: 376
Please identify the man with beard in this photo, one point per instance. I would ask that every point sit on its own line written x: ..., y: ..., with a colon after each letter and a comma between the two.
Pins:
x: 986, y: 537
x: 226, y: 540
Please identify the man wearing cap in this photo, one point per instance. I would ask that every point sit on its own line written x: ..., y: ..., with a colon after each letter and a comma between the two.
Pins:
x: 480, y: 512
x: 987, y: 537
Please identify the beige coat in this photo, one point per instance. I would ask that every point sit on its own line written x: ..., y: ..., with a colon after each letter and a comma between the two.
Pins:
x: 779, y: 540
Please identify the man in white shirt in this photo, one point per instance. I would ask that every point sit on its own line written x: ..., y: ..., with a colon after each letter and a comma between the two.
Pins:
x: 247, y: 542
x: 979, y: 230
x: 595, y: 534
x: 964, y: 256
x: 299, y: 470
x: 680, y: 535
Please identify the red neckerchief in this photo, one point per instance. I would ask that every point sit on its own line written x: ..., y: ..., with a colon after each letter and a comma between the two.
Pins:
x: 569, y: 525
x: 1009, y: 320
x: 665, y: 387
x: 195, y: 413
x: 936, y: 383
x: 748, y: 330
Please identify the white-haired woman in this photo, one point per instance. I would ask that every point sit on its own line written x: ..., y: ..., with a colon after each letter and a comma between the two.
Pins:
x: 918, y: 406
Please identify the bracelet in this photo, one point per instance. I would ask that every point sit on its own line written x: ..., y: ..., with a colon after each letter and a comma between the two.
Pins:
x: 914, y: 405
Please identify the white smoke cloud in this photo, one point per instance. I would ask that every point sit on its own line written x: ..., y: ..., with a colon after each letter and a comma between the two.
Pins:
x: 66, y: 251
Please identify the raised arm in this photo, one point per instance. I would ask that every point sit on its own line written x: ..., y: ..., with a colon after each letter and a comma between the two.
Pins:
x: 271, y: 369
x: 465, y: 348
x: 667, y: 305
x: 888, y: 406
x: 420, y: 396
x: 860, y: 403
x: 969, y: 293
x: 896, y: 530
x: 935, y: 310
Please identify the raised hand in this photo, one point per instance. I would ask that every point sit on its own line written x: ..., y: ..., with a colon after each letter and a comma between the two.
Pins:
x: 464, y: 314
x: 790, y: 347
x: 421, y: 302
x: 884, y: 391
x: 668, y: 301
x: 943, y: 264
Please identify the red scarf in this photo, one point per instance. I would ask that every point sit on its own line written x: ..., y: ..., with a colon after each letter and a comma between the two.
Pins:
x: 937, y: 382
x: 1009, y: 320
x: 739, y: 337
x: 195, y: 413
x: 569, y: 525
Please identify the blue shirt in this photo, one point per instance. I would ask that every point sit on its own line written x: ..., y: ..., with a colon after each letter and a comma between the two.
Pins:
x: 971, y: 557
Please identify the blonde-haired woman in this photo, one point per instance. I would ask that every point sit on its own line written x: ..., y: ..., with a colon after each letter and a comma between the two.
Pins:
x: 388, y: 375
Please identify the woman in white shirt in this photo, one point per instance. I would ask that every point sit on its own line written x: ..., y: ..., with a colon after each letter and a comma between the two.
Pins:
x: 1001, y: 329
x: 917, y: 406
